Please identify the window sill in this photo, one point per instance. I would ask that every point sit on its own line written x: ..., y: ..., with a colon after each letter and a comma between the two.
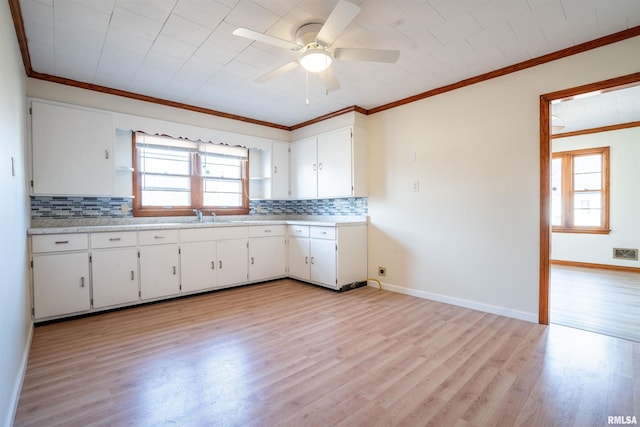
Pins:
x: 580, y: 230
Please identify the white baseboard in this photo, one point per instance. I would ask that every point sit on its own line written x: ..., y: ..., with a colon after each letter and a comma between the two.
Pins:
x: 17, y: 386
x: 474, y: 305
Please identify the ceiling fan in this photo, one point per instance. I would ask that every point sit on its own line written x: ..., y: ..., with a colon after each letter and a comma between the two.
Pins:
x: 313, y: 41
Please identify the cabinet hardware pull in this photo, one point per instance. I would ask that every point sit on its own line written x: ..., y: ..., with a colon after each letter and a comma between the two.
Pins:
x: 106, y: 154
x: 82, y: 282
x: 61, y: 242
x: 313, y: 259
x: 220, y: 264
x: 174, y: 270
x: 306, y: 260
x: 320, y: 166
x: 323, y: 232
x: 114, y: 239
x: 252, y: 261
x: 275, y: 169
x: 298, y: 230
x: 213, y: 265
x: 315, y: 167
x: 132, y: 275
x: 267, y: 230
x: 158, y: 237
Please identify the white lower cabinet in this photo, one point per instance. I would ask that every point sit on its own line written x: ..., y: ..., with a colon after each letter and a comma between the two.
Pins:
x: 77, y: 273
x: 267, y: 252
x: 323, y: 261
x: 60, y: 284
x: 114, y: 275
x: 232, y: 262
x: 114, y: 268
x: 61, y: 281
x: 159, y: 264
x: 198, y: 266
x: 334, y: 257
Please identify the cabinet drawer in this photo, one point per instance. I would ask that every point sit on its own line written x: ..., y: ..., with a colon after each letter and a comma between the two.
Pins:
x: 267, y: 230
x: 59, y: 242
x: 157, y: 237
x: 299, y: 230
x: 323, y: 232
x: 113, y: 240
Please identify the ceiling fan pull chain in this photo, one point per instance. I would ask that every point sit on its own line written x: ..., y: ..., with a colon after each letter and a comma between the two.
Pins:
x: 306, y: 74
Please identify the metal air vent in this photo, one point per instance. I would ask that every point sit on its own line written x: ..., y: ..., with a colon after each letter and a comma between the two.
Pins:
x: 623, y: 253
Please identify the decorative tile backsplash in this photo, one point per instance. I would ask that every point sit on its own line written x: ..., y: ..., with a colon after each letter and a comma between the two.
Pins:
x: 111, y: 207
x: 79, y: 207
x: 323, y: 207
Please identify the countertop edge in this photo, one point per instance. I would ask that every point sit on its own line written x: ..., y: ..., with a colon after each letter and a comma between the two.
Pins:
x: 165, y: 226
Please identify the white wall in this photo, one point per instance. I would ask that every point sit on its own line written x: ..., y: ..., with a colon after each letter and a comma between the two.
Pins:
x: 15, y: 319
x: 624, y: 200
x: 470, y: 236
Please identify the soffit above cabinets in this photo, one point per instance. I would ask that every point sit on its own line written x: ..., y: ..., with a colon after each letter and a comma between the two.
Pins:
x: 184, y: 50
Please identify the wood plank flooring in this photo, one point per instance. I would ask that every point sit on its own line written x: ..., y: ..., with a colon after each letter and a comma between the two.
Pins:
x: 597, y: 300
x: 288, y: 354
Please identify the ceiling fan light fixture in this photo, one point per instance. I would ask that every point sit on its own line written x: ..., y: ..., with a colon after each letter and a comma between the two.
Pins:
x: 315, y: 60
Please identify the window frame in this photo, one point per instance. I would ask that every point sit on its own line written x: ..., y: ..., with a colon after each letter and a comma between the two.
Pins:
x: 568, y: 192
x: 197, y: 189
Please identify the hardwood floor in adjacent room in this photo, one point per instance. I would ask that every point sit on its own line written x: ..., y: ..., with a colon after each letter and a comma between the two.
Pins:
x: 288, y: 354
x: 597, y: 300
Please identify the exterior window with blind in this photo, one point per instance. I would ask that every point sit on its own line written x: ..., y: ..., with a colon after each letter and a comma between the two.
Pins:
x: 175, y: 176
x: 580, y: 191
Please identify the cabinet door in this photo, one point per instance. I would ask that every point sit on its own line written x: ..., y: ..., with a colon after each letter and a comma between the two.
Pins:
x: 267, y: 258
x: 159, y: 275
x: 197, y: 266
x: 323, y: 261
x: 299, y: 257
x: 334, y: 164
x: 232, y: 261
x: 60, y: 284
x: 72, y: 151
x: 304, y: 176
x: 115, y: 277
x: 280, y: 171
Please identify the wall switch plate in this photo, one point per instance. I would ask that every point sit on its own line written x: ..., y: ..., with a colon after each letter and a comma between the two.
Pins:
x: 412, y: 157
x: 416, y: 186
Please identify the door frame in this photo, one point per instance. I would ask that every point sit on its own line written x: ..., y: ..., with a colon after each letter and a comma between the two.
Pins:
x: 545, y: 178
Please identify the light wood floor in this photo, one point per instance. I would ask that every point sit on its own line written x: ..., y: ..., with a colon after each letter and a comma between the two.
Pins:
x: 603, y: 301
x: 289, y: 354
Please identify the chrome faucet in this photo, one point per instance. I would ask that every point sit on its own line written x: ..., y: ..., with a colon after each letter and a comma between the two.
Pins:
x: 213, y: 215
x: 198, y: 213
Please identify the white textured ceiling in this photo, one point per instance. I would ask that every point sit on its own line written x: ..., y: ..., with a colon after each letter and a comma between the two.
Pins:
x: 184, y: 50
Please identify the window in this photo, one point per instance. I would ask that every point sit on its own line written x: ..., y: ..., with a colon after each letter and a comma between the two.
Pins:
x: 174, y: 176
x: 580, y: 191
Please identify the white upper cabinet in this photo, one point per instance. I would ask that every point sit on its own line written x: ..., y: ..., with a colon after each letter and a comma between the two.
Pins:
x: 280, y: 171
x: 304, y: 169
x: 330, y: 165
x: 269, y: 172
x: 72, y: 151
x: 334, y: 164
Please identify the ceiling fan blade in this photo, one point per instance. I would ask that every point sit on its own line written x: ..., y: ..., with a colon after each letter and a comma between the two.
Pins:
x: 329, y: 79
x: 373, y: 55
x: 264, y: 38
x: 340, y: 17
x: 281, y: 70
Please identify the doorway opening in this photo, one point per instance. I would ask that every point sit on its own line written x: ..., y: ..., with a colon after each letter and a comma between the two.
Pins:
x: 568, y: 116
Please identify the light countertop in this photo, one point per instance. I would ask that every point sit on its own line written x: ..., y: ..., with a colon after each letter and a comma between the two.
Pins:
x: 139, y: 224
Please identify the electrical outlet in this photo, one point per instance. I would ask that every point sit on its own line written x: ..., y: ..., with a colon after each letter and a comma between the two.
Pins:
x: 382, y: 271
x: 416, y: 186
x: 124, y: 208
